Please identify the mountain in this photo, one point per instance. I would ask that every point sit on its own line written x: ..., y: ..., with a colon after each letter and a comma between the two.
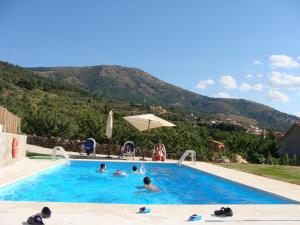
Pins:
x: 135, y: 85
x: 51, y: 108
x: 65, y: 103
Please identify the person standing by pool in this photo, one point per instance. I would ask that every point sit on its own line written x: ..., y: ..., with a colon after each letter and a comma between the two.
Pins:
x: 149, y: 186
x: 102, y: 168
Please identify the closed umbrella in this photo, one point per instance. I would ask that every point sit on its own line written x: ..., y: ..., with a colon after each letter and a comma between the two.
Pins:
x: 109, y: 125
x: 146, y: 122
x: 109, y: 128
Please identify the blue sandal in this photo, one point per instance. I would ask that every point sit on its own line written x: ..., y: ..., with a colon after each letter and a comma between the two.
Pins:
x: 195, y: 217
x: 144, y: 210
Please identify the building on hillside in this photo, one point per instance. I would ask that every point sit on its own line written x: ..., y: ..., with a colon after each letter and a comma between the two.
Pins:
x: 217, y: 146
x: 255, y: 130
x: 291, y: 142
x: 232, y: 122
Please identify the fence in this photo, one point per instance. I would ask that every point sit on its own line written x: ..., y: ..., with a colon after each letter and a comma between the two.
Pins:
x: 9, y: 122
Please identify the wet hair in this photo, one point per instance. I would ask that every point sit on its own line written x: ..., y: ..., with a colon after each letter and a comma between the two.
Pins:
x: 102, y: 165
x: 147, y: 180
x: 134, y: 168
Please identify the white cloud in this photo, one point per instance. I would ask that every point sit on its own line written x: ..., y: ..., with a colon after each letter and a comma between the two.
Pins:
x: 228, y: 82
x: 277, y: 96
x: 203, y: 84
x: 298, y: 94
x: 249, y: 76
x: 245, y: 87
x: 284, y: 80
x: 258, y: 87
x: 297, y: 114
x: 282, y: 61
x: 298, y: 57
x: 223, y: 95
x: 259, y: 75
x: 257, y: 62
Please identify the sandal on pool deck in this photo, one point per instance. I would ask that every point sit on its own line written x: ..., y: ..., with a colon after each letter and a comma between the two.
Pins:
x: 35, y: 220
x: 144, y: 210
x: 224, y: 212
x: 46, y: 212
x: 195, y: 217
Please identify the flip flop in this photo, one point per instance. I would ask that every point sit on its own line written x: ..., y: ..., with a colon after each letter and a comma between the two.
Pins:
x: 224, y: 212
x: 144, y: 210
x: 228, y: 212
x: 46, y: 212
x: 30, y: 220
x: 220, y: 212
x: 195, y: 217
x: 35, y: 220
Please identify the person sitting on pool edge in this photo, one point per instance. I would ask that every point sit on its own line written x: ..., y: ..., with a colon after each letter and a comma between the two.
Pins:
x: 120, y: 173
x: 102, y: 168
x: 149, y: 186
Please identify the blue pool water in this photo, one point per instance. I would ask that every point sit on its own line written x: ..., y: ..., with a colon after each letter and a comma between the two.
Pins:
x: 79, y: 182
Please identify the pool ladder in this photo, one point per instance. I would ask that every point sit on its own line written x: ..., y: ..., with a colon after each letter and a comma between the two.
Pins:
x: 185, y: 154
x: 62, y: 152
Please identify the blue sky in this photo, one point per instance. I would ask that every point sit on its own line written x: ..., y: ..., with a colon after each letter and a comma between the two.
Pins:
x: 241, y: 49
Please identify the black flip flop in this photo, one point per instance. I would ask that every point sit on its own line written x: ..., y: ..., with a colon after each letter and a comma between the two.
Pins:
x: 228, y: 212
x: 220, y: 212
x: 224, y: 212
x: 30, y: 220
x: 46, y: 212
x: 35, y: 220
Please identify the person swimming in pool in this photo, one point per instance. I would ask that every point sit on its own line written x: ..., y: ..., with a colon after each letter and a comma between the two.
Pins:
x: 120, y: 173
x: 102, y: 168
x: 134, y: 169
x: 140, y: 171
x: 149, y: 186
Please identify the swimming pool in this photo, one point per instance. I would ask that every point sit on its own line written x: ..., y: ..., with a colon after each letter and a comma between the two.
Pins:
x: 79, y: 182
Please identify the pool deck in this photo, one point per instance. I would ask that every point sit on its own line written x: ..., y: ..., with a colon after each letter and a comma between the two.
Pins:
x: 14, y: 213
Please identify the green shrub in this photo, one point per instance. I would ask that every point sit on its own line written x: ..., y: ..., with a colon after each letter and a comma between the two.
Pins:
x: 256, y: 158
x: 293, y: 161
x: 284, y: 159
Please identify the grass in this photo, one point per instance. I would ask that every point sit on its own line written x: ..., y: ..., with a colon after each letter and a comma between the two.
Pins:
x: 33, y: 155
x: 46, y: 157
x: 290, y: 174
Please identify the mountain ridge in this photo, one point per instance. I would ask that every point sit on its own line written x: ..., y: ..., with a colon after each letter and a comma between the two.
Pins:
x: 135, y: 85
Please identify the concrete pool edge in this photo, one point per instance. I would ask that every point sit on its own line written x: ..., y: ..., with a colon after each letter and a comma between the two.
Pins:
x: 16, y: 178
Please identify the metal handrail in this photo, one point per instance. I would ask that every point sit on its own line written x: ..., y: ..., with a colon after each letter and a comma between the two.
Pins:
x: 185, y: 154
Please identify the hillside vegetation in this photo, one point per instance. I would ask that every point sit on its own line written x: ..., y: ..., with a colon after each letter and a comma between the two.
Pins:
x: 54, y: 108
x: 134, y: 85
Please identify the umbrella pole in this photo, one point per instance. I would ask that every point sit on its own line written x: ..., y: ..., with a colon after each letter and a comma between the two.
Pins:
x: 109, y: 148
x: 148, y: 133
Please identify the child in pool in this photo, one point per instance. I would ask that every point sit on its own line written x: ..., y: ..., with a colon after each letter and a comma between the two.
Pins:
x: 134, y: 169
x: 102, y: 168
x: 140, y: 171
x: 149, y: 186
x: 120, y: 173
